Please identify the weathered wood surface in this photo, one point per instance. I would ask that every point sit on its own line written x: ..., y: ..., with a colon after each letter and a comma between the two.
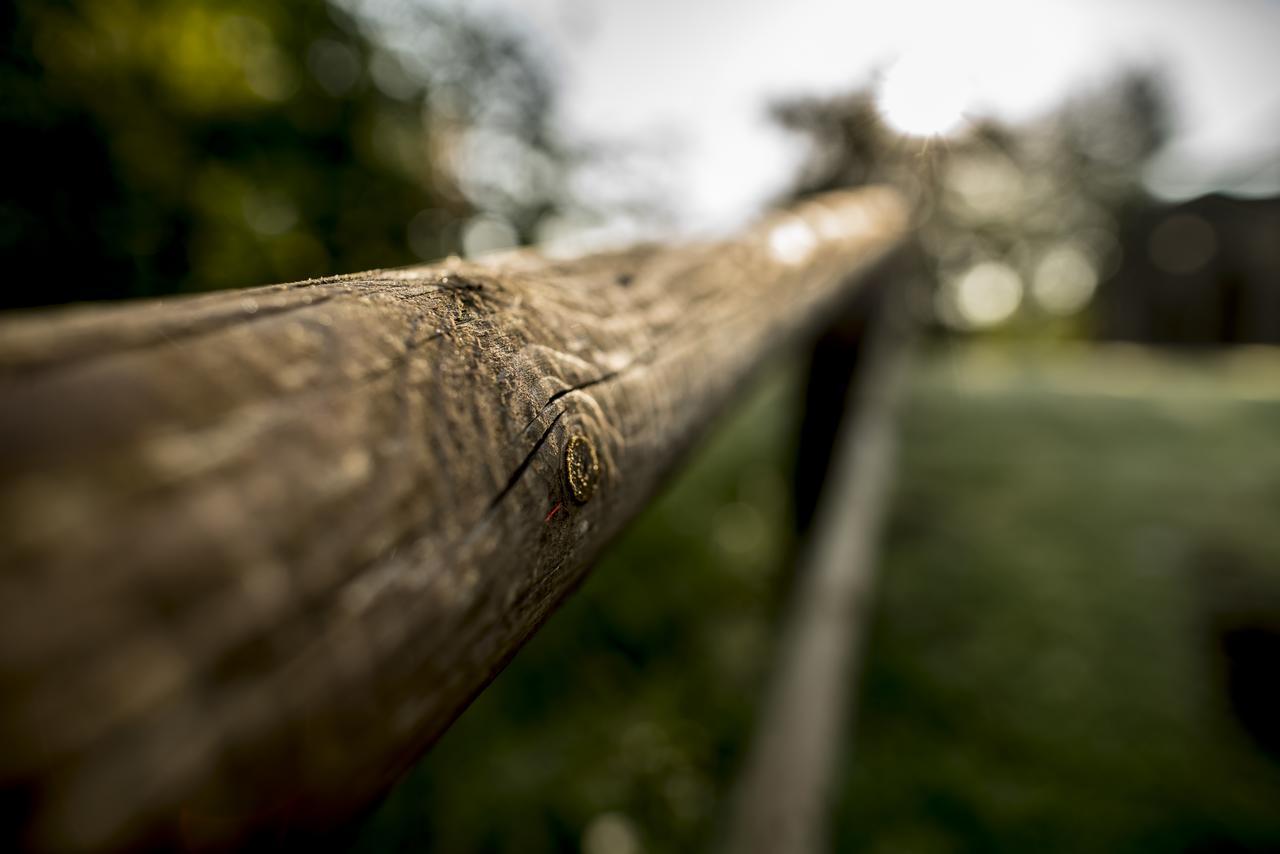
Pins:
x: 259, y: 548
x: 784, y: 797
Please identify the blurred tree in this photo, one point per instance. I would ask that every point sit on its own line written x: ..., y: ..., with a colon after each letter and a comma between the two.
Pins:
x: 175, y: 145
x: 1014, y: 225
x: 1014, y: 222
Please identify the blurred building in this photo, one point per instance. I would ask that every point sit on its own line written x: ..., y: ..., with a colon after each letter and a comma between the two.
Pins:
x: 1204, y: 272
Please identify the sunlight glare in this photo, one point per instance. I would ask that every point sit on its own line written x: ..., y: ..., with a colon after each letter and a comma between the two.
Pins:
x: 923, y: 95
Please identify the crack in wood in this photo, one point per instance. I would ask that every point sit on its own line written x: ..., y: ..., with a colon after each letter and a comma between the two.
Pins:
x: 528, y: 459
x: 570, y: 390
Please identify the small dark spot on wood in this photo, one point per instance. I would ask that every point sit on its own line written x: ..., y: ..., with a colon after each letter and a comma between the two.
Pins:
x: 581, y: 468
x: 459, y: 282
x: 625, y: 279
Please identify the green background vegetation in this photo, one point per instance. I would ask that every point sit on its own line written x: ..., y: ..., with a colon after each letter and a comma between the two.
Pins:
x: 162, y: 146
x: 1044, y: 674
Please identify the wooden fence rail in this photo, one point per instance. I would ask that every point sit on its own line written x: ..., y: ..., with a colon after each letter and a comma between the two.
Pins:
x: 785, y: 794
x: 259, y: 548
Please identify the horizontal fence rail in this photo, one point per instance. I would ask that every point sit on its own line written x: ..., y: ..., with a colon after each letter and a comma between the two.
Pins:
x: 259, y: 548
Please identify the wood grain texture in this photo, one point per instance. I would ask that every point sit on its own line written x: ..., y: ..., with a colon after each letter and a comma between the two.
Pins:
x: 259, y: 548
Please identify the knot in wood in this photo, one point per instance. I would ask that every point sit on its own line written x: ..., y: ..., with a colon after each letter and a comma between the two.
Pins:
x: 581, y: 468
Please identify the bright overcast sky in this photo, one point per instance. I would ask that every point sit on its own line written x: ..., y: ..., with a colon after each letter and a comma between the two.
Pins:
x: 697, y: 74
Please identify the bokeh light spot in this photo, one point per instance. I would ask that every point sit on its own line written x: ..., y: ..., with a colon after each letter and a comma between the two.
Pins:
x: 1064, y: 280
x: 792, y: 242
x: 1182, y: 244
x: 987, y: 294
x: 487, y: 233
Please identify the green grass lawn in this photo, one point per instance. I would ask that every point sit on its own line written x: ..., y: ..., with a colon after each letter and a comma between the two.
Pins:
x: 1072, y: 532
